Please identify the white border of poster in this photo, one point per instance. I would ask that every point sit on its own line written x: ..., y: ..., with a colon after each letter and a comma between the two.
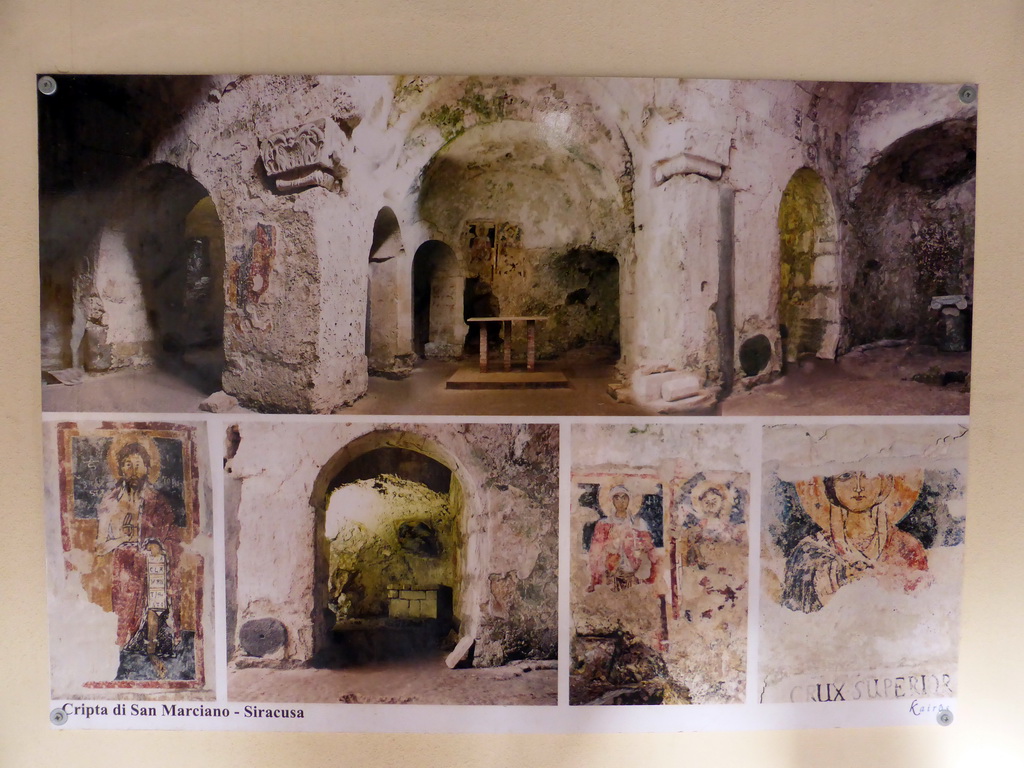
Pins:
x: 223, y: 714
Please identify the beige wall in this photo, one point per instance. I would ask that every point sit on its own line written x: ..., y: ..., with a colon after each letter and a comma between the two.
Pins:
x: 927, y: 40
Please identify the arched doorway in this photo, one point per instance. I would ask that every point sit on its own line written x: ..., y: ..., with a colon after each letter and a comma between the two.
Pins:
x: 809, y: 269
x: 386, y: 348
x: 437, y: 288
x: 154, y: 290
x: 391, y: 535
x: 540, y: 223
x: 911, y: 238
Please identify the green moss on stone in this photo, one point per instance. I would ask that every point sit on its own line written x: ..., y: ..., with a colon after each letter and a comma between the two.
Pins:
x: 366, y: 558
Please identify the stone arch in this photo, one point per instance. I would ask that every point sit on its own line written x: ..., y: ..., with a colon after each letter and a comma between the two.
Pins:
x: 153, y: 291
x: 539, y: 225
x: 388, y: 350
x: 437, y: 302
x: 566, y: 112
x: 463, y: 496
x: 809, y: 320
x: 911, y: 235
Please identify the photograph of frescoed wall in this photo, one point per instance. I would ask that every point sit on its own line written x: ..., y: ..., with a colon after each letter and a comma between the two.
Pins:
x: 392, y: 563
x: 659, y: 553
x: 861, y: 561
x: 360, y: 294
x: 305, y: 244
x: 128, y: 514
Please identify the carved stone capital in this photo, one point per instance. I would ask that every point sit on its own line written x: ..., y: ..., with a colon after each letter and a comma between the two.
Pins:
x: 682, y: 147
x: 304, y: 156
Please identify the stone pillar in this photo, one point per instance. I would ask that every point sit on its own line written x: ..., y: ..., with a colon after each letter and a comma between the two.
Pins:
x: 674, y: 360
x: 675, y: 356
x: 388, y: 350
x: 296, y: 295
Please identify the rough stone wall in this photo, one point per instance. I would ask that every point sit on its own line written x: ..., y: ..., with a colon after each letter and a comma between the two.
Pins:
x: 912, y: 235
x: 905, y: 194
x: 384, y: 532
x: 507, y: 481
x: 782, y: 127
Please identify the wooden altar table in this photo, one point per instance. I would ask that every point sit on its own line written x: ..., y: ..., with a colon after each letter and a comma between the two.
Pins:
x: 531, y: 338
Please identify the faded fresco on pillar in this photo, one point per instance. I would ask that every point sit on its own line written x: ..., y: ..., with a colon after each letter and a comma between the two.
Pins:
x: 129, y: 600
x: 862, y: 558
x: 659, y: 564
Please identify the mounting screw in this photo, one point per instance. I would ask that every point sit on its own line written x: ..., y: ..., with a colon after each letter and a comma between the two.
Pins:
x: 47, y: 85
x: 58, y: 716
x: 968, y: 94
x: 945, y: 717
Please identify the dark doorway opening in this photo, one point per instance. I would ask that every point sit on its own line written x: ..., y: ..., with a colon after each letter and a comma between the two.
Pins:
x: 393, y: 543
x: 437, y: 289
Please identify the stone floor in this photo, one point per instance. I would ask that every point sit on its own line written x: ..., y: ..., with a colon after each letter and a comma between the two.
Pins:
x: 877, y: 380
x: 422, y: 681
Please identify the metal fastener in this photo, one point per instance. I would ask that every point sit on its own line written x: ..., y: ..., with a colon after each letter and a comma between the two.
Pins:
x: 945, y: 717
x: 58, y: 716
x: 47, y: 85
x: 968, y: 94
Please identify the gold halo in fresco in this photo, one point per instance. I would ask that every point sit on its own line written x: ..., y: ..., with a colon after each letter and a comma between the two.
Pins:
x: 896, y: 503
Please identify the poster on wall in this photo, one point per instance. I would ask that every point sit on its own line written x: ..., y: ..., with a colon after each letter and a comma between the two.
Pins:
x: 544, y: 404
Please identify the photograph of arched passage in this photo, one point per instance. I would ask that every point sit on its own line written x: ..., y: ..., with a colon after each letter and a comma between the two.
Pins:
x: 506, y: 245
x: 392, y: 563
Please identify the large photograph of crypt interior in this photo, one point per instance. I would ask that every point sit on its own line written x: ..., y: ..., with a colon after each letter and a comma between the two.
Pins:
x: 392, y: 563
x: 505, y: 245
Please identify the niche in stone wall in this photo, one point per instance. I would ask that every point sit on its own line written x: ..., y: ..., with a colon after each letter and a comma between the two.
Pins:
x: 385, y: 344
x: 808, y: 269
x: 437, y: 295
x: 536, y: 215
x: 912, y: 236
x: 153, y: 290
x: 393, y: 543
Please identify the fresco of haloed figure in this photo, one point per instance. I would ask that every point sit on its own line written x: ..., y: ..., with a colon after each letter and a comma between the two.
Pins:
x: 659, y: 565
x: 861, y: 561
x: 134, y: 559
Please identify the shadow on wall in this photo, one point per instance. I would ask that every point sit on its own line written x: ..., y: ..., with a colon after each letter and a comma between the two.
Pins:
x: 912, y: 235
x: 97, y: 132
